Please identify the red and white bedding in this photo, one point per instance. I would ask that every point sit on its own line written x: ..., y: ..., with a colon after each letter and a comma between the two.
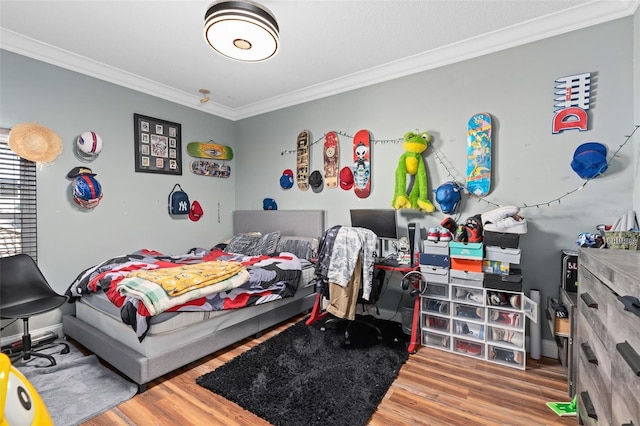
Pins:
x: 261, y: 279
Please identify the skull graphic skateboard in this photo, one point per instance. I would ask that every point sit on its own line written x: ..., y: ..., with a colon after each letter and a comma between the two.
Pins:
x: 362, y: 164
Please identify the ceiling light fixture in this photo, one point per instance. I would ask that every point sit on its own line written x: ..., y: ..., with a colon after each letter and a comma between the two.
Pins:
x: 205, y: 96
x: 242, y: 30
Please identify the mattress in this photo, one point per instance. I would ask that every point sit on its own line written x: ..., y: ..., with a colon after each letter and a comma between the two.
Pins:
x: 166, y: 330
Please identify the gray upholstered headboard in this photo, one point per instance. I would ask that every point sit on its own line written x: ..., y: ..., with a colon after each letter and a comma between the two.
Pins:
x: 299, y: 223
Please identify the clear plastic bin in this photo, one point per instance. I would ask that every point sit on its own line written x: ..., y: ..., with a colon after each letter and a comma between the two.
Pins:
x: 505, y: 318
x: 468, y: 295
x: 506, y: 337
x: 506, y: 356
x: 467, y: 347
x: 436, y: 340
x: 436, y: 306
x: 435, y: 323
x: 464, y: 311
x: 468, y: 329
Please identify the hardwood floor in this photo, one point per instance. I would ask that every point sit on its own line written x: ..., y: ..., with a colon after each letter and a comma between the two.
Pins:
x: 433, y: 388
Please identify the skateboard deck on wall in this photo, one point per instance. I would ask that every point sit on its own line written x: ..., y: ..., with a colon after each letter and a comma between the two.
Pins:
x: 479, y: 154
x: 302, y: 160
x: 209, y: 168
x: 362, y: 164
x: 209, y: 150
x: 331, y: 159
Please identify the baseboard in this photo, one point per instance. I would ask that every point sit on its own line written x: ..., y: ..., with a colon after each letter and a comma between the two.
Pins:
x: 56, y: 328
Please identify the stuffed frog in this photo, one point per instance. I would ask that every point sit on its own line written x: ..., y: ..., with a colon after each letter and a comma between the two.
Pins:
x: 411, y: 163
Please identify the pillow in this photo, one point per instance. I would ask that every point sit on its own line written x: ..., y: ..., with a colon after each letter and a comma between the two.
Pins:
x: 303, y: 247
x: 252, y: 244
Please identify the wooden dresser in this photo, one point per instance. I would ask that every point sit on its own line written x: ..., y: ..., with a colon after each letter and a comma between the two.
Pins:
x: 608, y: 338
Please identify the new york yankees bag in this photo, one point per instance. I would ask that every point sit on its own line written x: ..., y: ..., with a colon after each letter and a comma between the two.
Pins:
x: 178, y: 201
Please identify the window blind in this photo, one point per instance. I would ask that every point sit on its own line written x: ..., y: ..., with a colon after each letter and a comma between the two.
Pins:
x: 18, y: 218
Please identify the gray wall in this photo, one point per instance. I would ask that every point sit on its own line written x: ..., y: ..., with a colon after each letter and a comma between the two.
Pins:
x: 133, y: 212
x: 516, y: 86
x: 531, y: 166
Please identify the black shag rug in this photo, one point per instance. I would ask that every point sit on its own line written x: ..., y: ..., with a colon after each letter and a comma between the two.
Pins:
x: 305, y: 376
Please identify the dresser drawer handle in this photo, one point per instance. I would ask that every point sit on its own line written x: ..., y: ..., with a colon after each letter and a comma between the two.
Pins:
x: 588, y: 405
x: 589, y: 301
x: 588, y: 353
x: 630, y: 356
x: 627, y: 424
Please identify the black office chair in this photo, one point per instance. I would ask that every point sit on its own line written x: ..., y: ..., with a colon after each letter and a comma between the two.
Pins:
x: 24, y: 292
x: 365, y: 320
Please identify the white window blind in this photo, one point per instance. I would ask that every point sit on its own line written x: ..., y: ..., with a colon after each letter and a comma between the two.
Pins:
x: 18, y: 225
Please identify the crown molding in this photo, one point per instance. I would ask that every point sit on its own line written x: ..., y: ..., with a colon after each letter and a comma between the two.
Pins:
x: 576, y: 18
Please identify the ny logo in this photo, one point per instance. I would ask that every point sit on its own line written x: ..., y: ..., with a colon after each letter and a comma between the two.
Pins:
x: 183, y: 206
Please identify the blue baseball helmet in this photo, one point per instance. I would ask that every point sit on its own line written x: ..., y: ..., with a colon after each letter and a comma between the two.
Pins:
x: 86, y: 190
x: 448, y: 196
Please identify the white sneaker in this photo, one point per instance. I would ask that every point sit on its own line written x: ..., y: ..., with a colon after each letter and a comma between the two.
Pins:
x: 512, y: 225
x: 493, y: 216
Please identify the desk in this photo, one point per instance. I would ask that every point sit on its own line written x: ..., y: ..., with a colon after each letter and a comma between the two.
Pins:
x: 318, y: 314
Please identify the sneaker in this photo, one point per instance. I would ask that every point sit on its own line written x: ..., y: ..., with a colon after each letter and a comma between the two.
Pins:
x: 497, y: 334
x: 462, y: 346
x: 461, y: 234
x: 495, y: 215
x: 497, y: 298
x: 461, y: 293
x: 449, y: 224
x: 512, y: 225
x: 444, y: 234
x: 474, y: 229
x: 474, y: 349
x: 514, y: 301
x: 475, y: 296
x: 433, y: 234
x: 514, y: 338
x: 508, y: 318
x: 475, y: 330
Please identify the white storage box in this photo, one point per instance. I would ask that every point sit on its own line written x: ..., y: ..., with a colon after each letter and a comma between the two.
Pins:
x: 435, y: 247
x: 509, y: 255
x: 471, y: 279
x: 433, y: 274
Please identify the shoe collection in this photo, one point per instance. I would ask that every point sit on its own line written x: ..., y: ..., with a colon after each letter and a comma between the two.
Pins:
x: 470, y: 329
x: 439, y: 323
x: 504, y: 219
x: 513, y: 337
x: 439, y: 233
x: 506, y: 318
x: 438, y: 306
x: 469, y: 312
x: 498, y: 298
x: 469, y: 294
x: 468, y: 347
x: 506, y: 355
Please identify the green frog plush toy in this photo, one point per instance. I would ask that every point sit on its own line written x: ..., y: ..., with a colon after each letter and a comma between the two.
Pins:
x: 411, y: 163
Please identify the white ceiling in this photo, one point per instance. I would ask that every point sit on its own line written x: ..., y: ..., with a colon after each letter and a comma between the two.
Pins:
x: 327, y: 47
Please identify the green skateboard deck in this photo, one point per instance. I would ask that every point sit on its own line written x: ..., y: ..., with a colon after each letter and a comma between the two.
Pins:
x: 331, y: 159
x: 302, y: 160
x: 209, y: 150
x: 209, y: 168
x: 479, y: 154
x: 362, y: 164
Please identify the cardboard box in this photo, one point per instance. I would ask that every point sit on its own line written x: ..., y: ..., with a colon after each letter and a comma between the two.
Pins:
x: 468, y: 265
x: 466, y: 278
x: 435, y: 247
x: 440, y: 260
x: 511, y: 282
x: 622, y: 240
x: 473, y: 251
x: 501, y: 239
x: 434, y: 274
x: 507, y: 255
x: 495, y: 267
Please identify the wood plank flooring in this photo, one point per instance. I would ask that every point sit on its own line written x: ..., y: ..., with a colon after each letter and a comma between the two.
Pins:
x: 433, y: 388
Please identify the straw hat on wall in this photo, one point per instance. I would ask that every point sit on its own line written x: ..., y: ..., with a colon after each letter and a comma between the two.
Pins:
x: 34, y: 142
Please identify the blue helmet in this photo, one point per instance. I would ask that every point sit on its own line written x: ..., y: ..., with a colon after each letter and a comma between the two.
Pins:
x: 86, y: 190
x: 448, y: 196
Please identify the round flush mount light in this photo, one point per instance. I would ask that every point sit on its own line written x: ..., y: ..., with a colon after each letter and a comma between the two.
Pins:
x: 242, y: 30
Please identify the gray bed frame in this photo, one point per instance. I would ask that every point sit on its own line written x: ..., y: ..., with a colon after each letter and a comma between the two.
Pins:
x: 142, y: 369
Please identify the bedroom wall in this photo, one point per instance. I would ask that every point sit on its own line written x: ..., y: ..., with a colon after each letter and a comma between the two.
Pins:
x: 133, y: 213
x: 636, y: 91
x: 531, y: 165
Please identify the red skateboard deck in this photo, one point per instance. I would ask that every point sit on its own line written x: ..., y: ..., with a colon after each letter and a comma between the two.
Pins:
x: 362, y: 164
x: 331, y: 159
x: 302, y: 160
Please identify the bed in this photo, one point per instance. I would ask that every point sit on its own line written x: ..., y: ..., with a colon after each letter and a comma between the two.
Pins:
x: 173, y: 339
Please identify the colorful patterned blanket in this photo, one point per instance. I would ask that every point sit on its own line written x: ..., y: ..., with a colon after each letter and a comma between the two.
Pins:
x: 136, y: 284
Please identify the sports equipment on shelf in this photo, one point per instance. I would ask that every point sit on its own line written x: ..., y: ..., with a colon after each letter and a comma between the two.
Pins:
x: 331, y: 159
x: 209, y: 168
x: 302, y: 160
x: 362, y: 164
x: 479, y: 154
x: 210, y: 150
